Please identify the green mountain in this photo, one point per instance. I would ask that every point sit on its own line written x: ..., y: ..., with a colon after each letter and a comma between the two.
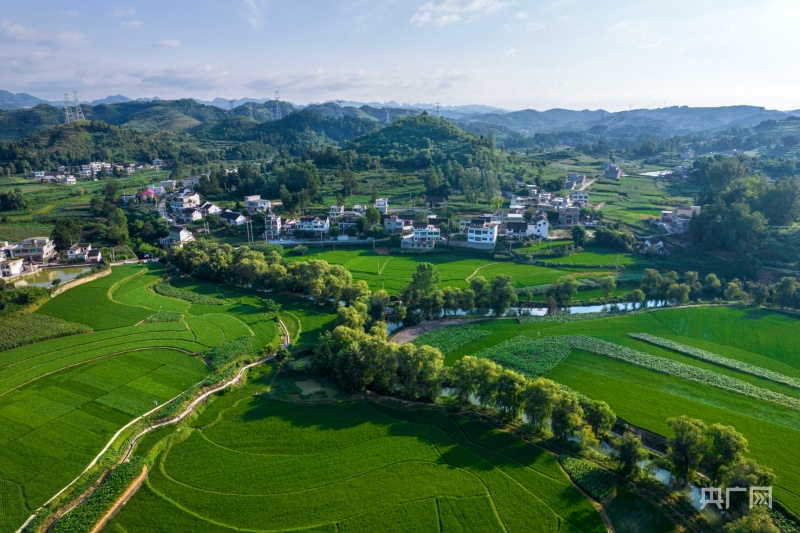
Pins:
x: 23, y: 122
x: 423, y: 137
x: 81, y: 142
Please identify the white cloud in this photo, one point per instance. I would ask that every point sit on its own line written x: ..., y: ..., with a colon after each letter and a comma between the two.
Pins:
x: 535, y: 26
x: 511, y: 52
x: 132, y: 24
x: 169, y: 43
x: 444, y: 12
x: 15, y: 32
x: 120, y: 12
x: 253, y: 12
x: 521, y: 15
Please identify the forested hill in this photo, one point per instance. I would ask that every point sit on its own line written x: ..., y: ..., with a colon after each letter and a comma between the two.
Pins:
x: 294, y: 133
x: 417, y: 141
x: 21, y: 123
x: 81, y: 142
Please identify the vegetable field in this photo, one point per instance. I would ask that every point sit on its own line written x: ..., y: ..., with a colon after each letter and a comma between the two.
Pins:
x: 450, y: 338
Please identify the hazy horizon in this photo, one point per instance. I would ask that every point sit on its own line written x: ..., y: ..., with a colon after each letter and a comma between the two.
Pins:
x: 514, y: 55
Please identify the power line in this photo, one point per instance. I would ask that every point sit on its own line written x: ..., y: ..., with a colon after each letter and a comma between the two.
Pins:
x: 68, y: 116
x: 78, y: 109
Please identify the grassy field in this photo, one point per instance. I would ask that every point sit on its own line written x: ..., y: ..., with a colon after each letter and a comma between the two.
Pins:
x: 349, y: 466
x: 644, y: 398
x: 393, y: 272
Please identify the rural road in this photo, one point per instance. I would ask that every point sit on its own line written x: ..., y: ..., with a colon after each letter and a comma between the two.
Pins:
x: 409, y: 334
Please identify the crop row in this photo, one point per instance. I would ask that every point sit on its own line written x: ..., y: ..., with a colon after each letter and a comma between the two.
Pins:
x: 562, y: 318
x: 164, y: 316
x: 27, y: 328
x: 680, y: 370
x: 165, y: 289
x: 220, y: 355
x: 533, y: 357
x: 450, y: 338
x: 596, y: 481
x: 726, y: 362
x: 85, y: 516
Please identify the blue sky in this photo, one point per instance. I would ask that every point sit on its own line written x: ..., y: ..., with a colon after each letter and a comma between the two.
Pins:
x: 515, y: 54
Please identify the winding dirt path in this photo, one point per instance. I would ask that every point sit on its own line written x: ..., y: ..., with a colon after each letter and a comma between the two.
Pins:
x: 480, y: 267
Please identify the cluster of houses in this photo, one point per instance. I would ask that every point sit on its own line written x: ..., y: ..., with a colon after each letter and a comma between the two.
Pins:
x: 676, y: 221
x: 17, y: 258
x: 568, y: 208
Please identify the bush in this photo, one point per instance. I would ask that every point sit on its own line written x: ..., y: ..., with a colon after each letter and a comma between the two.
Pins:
x: 299, y: 250
x: 26, y: 328
x: 85, y: 516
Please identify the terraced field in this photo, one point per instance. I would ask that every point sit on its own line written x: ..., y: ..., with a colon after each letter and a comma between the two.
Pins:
x: 349, y: 467
x: 646, y: 398
x: 62, y: 399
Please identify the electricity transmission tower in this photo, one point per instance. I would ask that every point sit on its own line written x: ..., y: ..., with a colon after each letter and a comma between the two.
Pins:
x: 68, y: 116
x: 78, y: 109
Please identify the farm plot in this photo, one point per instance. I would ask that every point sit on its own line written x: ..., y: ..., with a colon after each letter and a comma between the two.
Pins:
x: 51, y: 428
x: 350, y: 467
x: 90, y: 303
x: 647, y: 398
x: 21, y: 329
x: 450, y: 338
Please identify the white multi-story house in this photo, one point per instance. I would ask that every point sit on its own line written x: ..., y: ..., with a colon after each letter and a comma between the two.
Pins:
x: 272, y: 226
x: 382, y: 205
x: 482, y: 233
x: 336, y: 212
x: 11, y: 267
x: 320, y: 225
x: 398, y: 224
x: 255, y: 204
x: 579, y: 197
x: 36, y: 249
x: 207, y: 208
x: 569, y: 216
x: 426, y: 234
x: 184, y: 201
x: 69, y: 180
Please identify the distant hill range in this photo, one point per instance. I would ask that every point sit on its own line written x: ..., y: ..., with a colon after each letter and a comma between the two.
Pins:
x: 22, y: 115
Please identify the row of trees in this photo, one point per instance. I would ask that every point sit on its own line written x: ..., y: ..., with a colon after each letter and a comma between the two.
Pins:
x: 428, y: 301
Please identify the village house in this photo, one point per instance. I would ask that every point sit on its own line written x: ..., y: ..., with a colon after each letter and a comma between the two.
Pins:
x: 348, y: 220
x: 10, y: 268
x: 398, y: 224
x: 424, y: 236
x: 184, y: 201
x: 207, y: 208
x: 94, y: 256
x: 272, y: 226
x: 178, y: 236
x: 319, y: 225
x: 232, y: 217
x: 569, y: 215
x: 579, y: 197
x: 382, y: 205
x: 191, y: 214
x: 255, y: 204
x: 612, y: 172
x: 78, y: 252
x: 36, y: 249
x: 336, y: 212
x: 481, y: 232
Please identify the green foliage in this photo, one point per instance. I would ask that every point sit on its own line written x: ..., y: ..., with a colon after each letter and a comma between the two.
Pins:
x: 164, y: 316
x: 27, y: 328
x: 85, y: 516
x: 166, y: 289
x: 595, y: 480
x: 450, y: 338
x: 533, y: 357
x: 224, y: 353
x: 726, y: 362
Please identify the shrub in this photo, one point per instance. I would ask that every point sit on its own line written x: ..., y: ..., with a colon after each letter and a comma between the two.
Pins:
x: 299, y: 250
